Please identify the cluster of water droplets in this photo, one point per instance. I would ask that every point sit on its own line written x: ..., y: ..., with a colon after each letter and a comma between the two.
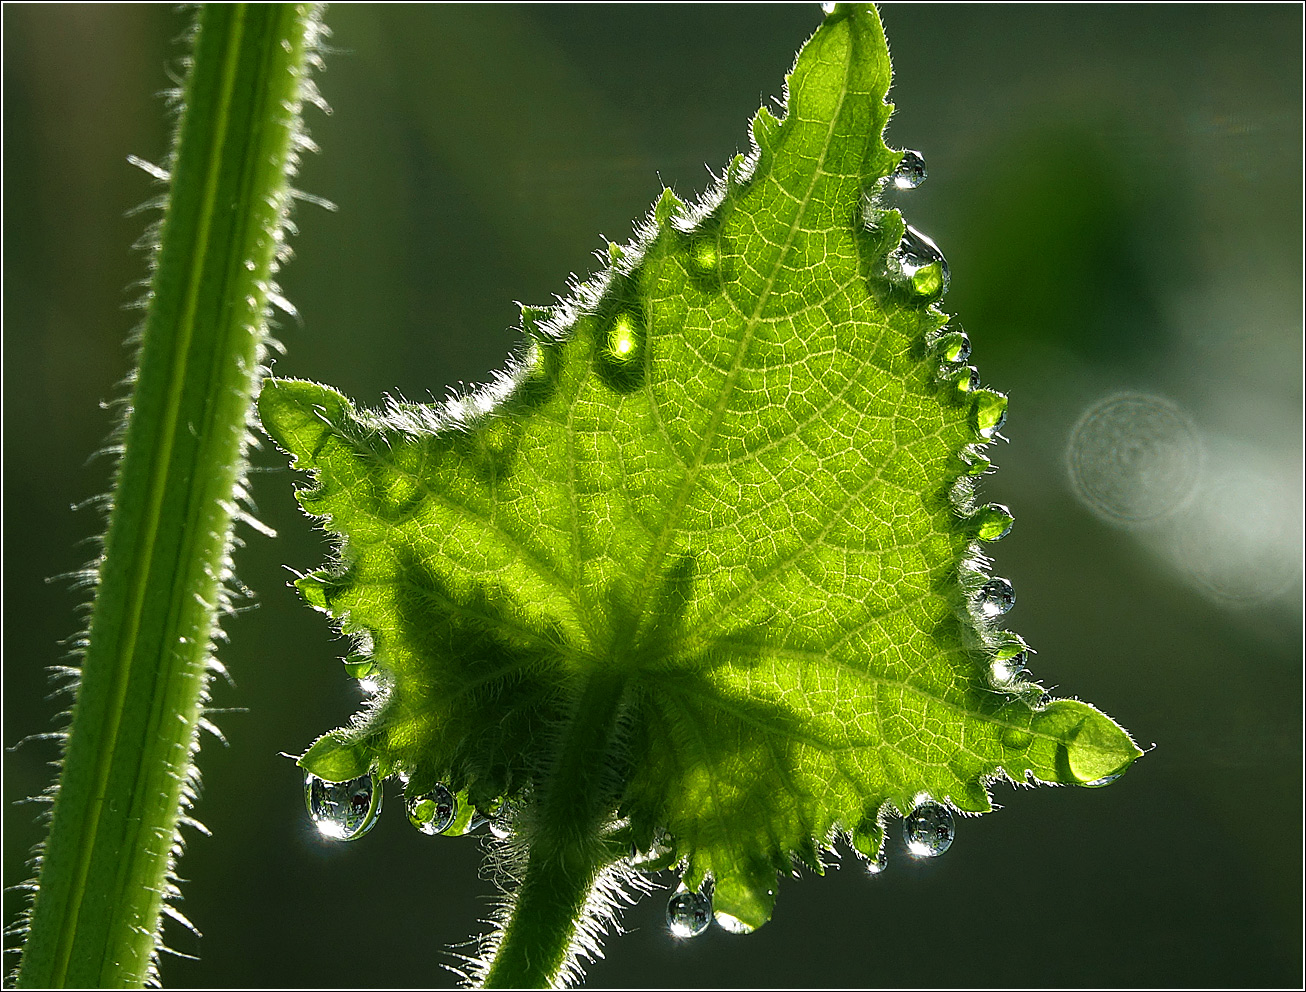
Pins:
x: 348, y: 810
x: 916, y: 265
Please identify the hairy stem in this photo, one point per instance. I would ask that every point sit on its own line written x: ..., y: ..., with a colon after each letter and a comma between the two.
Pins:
x: 567, y: 852
x: 128, y: 766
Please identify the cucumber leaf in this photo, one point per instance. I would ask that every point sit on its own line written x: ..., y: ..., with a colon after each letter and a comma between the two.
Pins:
x: 735, y: 472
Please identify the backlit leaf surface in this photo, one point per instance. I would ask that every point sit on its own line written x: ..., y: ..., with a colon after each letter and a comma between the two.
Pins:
x: 734, y: 474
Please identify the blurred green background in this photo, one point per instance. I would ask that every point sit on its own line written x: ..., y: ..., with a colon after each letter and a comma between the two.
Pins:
x: 1118, y: 192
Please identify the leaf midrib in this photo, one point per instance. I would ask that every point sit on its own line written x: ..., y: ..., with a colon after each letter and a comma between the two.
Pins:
x: 662, y: 545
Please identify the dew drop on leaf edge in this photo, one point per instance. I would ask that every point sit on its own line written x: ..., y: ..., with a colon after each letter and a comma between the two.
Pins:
x: 432, y: 812
x: 919, y: 265
x: 661, y: 848
x: 954, y: 347
x: 343, y: 810
x: 929, y: 829
x: 910, y: 170
x: 1097, y: 783
x: 995, y: 598
x: 993, y: 522
x: 1007, y: 670
x: 688, y: 913
x: 875, y: 866
x: 359, y: 667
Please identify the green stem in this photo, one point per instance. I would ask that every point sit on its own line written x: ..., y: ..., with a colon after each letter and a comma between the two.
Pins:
x: 567, y: 852
x: 128, y: 765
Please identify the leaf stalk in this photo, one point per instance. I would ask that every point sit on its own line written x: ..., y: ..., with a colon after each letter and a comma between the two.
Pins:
x: 128, y: 770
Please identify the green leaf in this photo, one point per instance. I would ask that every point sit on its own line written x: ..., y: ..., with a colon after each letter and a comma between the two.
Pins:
x: 333, y: 758
x: 704, y: 555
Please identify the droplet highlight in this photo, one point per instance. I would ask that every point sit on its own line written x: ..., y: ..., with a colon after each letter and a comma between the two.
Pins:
x: 993, y: 522
x: 995, y: 598
x: 688, y: 913
x: 910, y: 170
x: 1097, y: 783
x: 929, y: 829
x: 343, y: 810
x: 432, y: 812
x: 623, y: 339
x: 1007, y: 670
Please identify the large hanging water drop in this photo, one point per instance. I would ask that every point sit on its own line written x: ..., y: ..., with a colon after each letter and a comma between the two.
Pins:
x: 688, y: 913
x: 343, y: 810
x: 929, y: 829
x: 432, y: 812
x: 995, y: 598
x: 918, y: 264
x: 910, y: 171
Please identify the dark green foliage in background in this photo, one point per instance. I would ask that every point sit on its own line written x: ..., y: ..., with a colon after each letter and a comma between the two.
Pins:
x: 1163, y: 254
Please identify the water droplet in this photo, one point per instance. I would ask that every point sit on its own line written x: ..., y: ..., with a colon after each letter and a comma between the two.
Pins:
x: 343, y: 810
x: 432, y: 812
x: 929, y: 829
x: 661, y: 849
x: 622, y: 339
x: 918, y: 264
x: 500, y: 826
x: 995, y: 598
x: 358, y: 667
x: 876, y: 865
x: 974, y: 462
x: 990, y: 412
x: 910, y: 171
x: 967, y: 381
x: 1007, y: 670
x: 732, y: 924
x: 993, y: 522
x: 688, y: 913
x: 703, y: 255
x: 828, y: 8
x: 954, y: 347
x: 1097, y: 783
